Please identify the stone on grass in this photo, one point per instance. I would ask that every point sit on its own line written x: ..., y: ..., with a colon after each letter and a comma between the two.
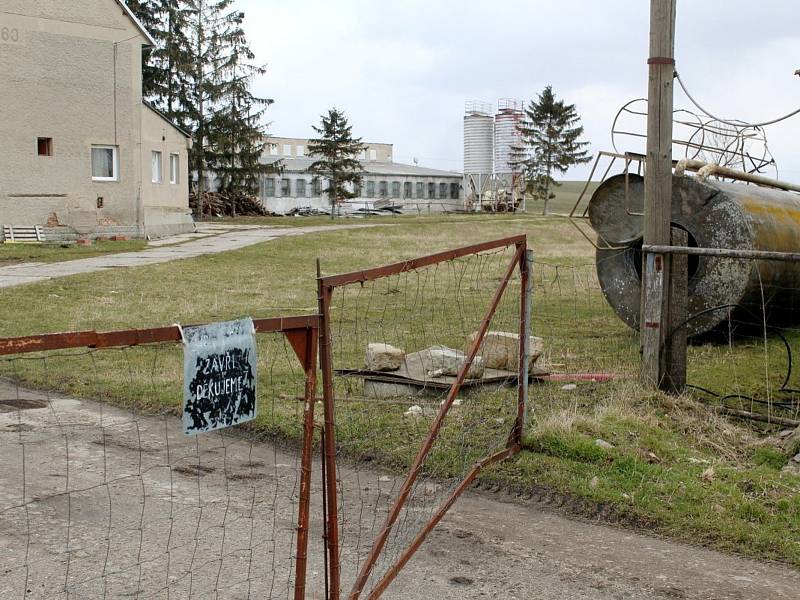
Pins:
x: 500, y: 349
x: 603, y: 444
x: 384, y: 357
x: 793, y: 466
x: 440, y: 361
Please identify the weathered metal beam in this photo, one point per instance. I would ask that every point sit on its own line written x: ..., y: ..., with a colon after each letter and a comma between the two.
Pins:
x: 723, y: 253
x: 418, y: 263
x: 135, y: 337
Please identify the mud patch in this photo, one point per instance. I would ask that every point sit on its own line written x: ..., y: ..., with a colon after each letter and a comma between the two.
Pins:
x: 14, y: 404
x: 193, y: 470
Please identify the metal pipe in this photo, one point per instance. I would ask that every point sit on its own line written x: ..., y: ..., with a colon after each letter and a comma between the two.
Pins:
x: 705, y: 170
x: 304, y: 507
x: 325, y: 293
x: 724, y: 252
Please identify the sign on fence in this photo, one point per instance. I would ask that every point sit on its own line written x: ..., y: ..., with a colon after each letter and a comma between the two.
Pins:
x: 219, y: 381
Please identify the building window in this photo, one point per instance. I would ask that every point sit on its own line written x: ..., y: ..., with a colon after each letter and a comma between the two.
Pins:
x: 420, y: 190
x: 174, y: 163
x: 373, y: 155
x: 407, y: 189
x: 269, y: 187
x: 384, y: 189
x: 317, y: 186
x: 300, y: 188
x: 156, y: 166
x: 442, y: 191
x: 301, y: 151
x: 455, y: 191
x: 395, y: 189
x: 370, y: 189
x: 286, y: 187
x: 287, y: 149
x: 105, y: 163
x: 431, y: 190
x: 44, y: 146
x: 357, y: 190
x: 273, y: 149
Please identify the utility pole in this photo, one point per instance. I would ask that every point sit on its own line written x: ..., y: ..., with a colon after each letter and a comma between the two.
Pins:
x: 655, y: 311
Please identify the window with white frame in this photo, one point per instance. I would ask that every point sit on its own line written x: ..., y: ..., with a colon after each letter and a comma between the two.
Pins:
x: 105, y: 163
x: 373, y: 155
x: 300, y: 187
x: 174, y: 168
x: 155, y: 162
x: 287, y: 149
x: 269, y: 187
x: 300, y: 150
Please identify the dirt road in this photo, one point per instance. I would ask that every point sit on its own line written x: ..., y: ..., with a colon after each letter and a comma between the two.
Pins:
x: 97, y: 502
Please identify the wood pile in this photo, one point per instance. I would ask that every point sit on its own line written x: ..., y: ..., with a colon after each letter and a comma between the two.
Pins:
x: 216, y: 204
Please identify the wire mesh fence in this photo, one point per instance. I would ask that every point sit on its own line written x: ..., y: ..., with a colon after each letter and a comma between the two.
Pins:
x: 397, y: 341
x: 103, y: 496
x: 743, y: 327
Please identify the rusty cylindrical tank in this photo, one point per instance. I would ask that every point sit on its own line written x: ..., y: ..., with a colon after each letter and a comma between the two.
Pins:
x: 716, y: 215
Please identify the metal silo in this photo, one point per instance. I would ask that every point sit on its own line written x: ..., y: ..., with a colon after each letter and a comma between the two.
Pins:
x: 478, y: 139
x: 506, y: 134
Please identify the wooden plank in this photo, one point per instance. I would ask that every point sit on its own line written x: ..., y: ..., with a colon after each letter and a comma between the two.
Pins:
x: 675, y: 380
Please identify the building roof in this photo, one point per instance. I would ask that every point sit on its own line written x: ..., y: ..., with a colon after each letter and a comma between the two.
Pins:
x: 167, y: 119
x: 137, y: 22
x: 294, y: 165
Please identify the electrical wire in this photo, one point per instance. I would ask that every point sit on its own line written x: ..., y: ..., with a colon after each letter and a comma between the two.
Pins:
x: 789, y: 362
x: 731, y: 123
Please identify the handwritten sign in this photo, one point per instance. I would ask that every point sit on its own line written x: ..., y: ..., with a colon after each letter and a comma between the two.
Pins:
x: 219, y: 383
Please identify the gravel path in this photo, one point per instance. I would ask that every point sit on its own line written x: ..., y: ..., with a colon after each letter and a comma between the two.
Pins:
x: 151, y: 511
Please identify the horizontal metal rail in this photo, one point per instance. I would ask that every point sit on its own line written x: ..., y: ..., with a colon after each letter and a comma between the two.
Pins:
x: 723, y: 252
x: 417, y: 263
x: 136, y: 337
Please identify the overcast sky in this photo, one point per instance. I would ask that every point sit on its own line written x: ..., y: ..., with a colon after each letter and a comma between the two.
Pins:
x: 402, y: 70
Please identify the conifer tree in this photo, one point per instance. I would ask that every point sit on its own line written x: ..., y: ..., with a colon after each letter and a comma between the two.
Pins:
x: 164, y: 66
x: 336, y: 150
x: 236, y: 131
x: 550, y: 133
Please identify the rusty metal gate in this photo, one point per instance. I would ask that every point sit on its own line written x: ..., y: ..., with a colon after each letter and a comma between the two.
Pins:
x: 413, y: 443
x: 109, y: 498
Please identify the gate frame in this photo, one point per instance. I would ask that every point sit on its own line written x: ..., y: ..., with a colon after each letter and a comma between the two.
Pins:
x: 302, y: 333
x: 523, y: 258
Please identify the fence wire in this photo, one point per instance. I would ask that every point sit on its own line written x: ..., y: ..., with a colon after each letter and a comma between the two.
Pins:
x: 382, y: 423
x: 103, y: 496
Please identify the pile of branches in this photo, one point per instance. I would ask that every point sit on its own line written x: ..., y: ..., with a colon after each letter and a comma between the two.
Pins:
x: 218, y: 204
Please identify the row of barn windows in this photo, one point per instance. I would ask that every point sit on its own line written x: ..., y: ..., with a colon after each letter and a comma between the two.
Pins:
x: 369, y: 189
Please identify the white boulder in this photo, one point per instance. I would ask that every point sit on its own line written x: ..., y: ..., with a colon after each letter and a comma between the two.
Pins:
x: 384, y: 357
x: 500, y: 349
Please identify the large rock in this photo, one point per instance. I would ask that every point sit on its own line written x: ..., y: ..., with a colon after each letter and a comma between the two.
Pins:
x: 384, y: 357
x: 440, y: 361
x: 500, y: 349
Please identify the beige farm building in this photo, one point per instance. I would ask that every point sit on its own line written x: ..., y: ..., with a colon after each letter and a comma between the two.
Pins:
x: 411, y: 188
x: 81, y: 153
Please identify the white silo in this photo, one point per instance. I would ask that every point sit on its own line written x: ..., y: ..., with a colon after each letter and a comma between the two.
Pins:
x: 478, y: 138
x: 506, y: 134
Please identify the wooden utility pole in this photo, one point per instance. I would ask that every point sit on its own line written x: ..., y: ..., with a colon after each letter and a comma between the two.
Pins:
x: 658, y: 193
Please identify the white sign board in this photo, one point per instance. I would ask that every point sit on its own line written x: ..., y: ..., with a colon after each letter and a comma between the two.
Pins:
x: 219, y: 375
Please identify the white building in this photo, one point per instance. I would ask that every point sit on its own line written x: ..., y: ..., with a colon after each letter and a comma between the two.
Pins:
x: 81, y: 154
x: 411, y: 187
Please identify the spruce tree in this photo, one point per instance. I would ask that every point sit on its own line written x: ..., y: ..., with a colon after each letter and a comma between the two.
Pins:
x: 236, y: 130
x: 337, y: 151
x: 164, y: 66
x: 550, y: 133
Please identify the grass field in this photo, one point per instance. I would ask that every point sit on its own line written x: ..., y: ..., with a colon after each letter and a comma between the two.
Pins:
x: 46, y: 253
x: 675, y: 467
